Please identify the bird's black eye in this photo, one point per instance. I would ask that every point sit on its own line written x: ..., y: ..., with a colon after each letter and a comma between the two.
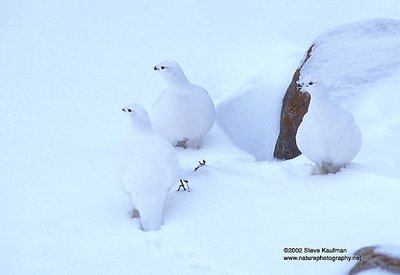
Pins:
x: 129, y: 110
x: 123, y: 109
x: 162, y: 67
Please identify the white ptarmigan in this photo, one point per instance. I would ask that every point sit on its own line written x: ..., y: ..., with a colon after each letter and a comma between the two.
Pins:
x: 151, y: 168
x: 328, y: 135
x: 184, y: 113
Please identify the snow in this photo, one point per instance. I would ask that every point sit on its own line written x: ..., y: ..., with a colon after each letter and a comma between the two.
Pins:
x: 68, y: 67
x: 352, y: 57
x: 255, y: 110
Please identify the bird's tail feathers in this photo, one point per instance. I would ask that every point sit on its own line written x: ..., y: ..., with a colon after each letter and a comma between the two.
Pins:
x: 151, y: 219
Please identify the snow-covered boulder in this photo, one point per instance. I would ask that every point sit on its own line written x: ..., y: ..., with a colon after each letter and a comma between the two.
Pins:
x: 356, y: 66
x: 377, y: 258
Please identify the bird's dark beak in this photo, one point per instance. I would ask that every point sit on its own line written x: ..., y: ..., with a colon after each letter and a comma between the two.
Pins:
x: 155, y: 68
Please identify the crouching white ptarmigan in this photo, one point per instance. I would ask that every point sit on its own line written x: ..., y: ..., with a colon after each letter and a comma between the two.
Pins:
x: 328, y: 135
x: 150, y: 170
x: 184, y: 113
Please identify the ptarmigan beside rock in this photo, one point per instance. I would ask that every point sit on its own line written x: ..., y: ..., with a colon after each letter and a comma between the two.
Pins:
x: 184, y: 113
x: 328, y: 135
x: 150, y: 170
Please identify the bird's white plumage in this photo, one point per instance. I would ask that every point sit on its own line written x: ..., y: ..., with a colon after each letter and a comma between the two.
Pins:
x: 151, y: 168
x: 184, y: 113
x: 328, y: 135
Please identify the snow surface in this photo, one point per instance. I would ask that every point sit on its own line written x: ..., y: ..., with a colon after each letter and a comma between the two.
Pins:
x: 68, y: 67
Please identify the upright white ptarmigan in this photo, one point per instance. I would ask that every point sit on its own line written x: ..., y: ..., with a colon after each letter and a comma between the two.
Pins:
x: 184, y: 113
x: 328, y: 135
x: 150, y: 170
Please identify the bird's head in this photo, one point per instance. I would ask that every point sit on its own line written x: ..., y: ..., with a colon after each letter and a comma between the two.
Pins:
x: 166, y: 66
x: 138, y: 116
x: 171, y: 71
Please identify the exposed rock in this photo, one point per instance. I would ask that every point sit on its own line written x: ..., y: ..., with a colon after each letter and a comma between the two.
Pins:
x: 294, y: 107
x: 371, y: 258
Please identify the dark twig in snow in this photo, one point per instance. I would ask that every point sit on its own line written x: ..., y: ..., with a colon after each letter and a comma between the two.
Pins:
x: 183, y: 181
x: 201, y: 163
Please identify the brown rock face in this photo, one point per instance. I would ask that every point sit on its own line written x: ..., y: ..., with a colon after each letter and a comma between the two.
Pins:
x: 370, y: 259
x: 294, y: 107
